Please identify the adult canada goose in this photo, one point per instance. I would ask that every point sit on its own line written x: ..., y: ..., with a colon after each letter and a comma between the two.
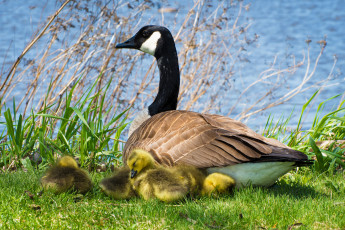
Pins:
x: 214, y: 142
x: 66, y: 175
x: 118, y: 186
x: 150, y: 179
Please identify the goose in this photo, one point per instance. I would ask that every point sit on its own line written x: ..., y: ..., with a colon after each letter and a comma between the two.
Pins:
x: 66, y: 175
x: 152, y: 180
x: 118, y: 186
x: 209, y: 141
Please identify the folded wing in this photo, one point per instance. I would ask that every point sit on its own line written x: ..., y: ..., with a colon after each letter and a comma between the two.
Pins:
x: 202, y: 140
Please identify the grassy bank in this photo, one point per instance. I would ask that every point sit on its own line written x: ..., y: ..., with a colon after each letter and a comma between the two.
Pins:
x: 310, y: 198
x: 305, y: 200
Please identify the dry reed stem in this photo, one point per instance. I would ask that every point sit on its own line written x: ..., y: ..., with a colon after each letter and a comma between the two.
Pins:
x: 286, y: 97
x: 211, y: 44
x: 28, y: 47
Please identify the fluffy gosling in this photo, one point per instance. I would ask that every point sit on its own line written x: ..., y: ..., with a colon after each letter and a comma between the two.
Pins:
x: 217, y: 183
x: 151, y: 180
x: 118, y: 186
x: 66, y: 175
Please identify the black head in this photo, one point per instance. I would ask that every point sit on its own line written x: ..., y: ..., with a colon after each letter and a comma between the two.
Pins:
x: 154, y: 40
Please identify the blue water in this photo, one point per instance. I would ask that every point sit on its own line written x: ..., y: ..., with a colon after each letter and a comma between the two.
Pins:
x: 19, y: 22
x: 282, y: 27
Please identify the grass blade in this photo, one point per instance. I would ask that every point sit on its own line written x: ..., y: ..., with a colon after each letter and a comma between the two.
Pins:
x: 81, y: 117
x: 320, y: 161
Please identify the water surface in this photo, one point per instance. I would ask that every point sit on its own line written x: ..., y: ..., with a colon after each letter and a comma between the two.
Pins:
x: 282, y: 26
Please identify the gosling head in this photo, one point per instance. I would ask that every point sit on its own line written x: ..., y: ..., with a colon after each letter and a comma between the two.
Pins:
x: 67, y: 161
x: 154, y: 40
x: 139, y: 161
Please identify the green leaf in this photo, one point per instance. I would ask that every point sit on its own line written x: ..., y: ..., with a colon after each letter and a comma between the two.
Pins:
x: 332, y: 154
x: 117, y: 136
x: 27, y: 164
x: 10, y: 132
x: 81, y: 117
x: 65, y: 141
x: 338, y: 118
x: 19, y: 134
x: 320, y: 159
x: 51, y: 116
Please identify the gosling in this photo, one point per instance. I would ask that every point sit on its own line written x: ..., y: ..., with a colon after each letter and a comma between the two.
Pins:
x: 151, y: 180
x: 118, y: 186
x: 65, y: 176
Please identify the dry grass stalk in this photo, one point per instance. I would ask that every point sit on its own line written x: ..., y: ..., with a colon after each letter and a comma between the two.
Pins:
x: 27, y: 48
x: 211, y: 43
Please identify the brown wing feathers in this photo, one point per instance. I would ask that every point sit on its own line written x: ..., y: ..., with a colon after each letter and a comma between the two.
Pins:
x: 176, y: 137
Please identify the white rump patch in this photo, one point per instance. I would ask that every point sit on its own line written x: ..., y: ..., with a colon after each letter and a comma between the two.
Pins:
x: 256, y: 174
x: 150, y: 45
x: 138, y: 120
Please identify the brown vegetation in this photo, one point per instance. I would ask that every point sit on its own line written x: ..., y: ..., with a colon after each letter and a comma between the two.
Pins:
x: 78, y: 46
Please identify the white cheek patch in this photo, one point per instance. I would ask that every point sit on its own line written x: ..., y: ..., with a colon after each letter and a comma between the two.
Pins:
x: 149, y: 46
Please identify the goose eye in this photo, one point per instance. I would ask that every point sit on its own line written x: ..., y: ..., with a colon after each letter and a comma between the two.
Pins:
x: 145, y: 33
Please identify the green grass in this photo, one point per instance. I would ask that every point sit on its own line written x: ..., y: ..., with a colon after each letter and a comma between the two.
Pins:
x: 329, y: 127
x: 311, y: 198
x: 304, y: 199
x: 80, y: 129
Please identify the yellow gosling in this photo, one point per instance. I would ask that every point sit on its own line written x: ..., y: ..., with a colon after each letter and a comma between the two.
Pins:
x: 151, y: 180
x: 118, y: 186
x: 66, y: 175
x: 160, y: 183
x: 217, y: 183
x: 67, y: 161
x: 140, y: 161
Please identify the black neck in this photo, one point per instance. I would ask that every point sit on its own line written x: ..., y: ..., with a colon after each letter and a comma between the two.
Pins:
x: 169, y: 83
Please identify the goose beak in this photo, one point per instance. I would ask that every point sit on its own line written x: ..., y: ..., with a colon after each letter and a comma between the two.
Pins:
x: 129, y: 44
x: 133, y: 173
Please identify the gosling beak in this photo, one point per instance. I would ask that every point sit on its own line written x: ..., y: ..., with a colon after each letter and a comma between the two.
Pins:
x: 133, y: 173
x: 130, y: 44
